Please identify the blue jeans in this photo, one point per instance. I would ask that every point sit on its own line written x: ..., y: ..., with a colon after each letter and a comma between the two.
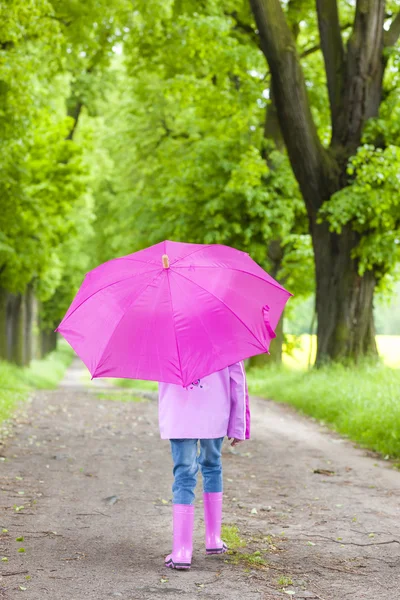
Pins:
x: 186, y: 465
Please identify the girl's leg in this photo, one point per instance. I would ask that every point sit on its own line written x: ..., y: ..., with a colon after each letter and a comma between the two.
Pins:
x: 184, y: 455
x: 211, y: 469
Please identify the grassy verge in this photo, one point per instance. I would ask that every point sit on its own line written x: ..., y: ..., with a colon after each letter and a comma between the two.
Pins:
x: 361, y: 402
x: 137, y: 384
x: 17, y: 382
x: 119, y: 397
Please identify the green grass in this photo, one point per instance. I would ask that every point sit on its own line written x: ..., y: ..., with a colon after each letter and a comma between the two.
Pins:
x: 17, y: 382
x: 119, y: 396
x: 237, y: 552
x: 231, y: 537
x: 361, y: 402
x: 137, y: 384
x: 285, y: 581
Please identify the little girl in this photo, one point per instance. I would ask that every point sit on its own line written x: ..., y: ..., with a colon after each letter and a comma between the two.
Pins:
x: 207, y: 411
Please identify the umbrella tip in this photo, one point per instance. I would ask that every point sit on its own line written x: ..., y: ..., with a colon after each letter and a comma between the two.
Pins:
x: 165, y: 261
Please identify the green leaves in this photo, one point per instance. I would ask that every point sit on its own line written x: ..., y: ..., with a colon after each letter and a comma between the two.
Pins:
x: 371, y: 204
x: 191, y: 112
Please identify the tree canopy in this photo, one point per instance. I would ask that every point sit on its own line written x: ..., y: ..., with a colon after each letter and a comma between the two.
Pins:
x: 127, y: 122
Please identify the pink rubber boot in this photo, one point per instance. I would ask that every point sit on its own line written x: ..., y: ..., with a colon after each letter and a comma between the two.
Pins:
x: 212, y: 521
x: 182, y: 543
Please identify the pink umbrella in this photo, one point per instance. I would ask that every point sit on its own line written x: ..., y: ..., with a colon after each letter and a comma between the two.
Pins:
x: 173, y: 312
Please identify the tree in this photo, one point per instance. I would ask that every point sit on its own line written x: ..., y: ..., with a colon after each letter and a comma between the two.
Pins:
x: 90, y: 32
x: 190, y: 109
x: 345, y: 283
x: 42, y: 173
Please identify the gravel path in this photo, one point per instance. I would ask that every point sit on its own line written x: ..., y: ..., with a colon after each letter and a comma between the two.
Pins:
x: 319, y: 517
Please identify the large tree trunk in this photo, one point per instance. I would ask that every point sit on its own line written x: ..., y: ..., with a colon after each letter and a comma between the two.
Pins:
x: 48, y: 341
x: 272, y: 133
x: 275, y: 350
x: 16, y: 329
x: 344, y: 297
x: 3, y: 325
x: 31, y: 324
x: 18, y: 326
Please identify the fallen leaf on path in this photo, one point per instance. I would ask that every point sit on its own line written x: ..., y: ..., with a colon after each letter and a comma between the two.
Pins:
x: 324, y: 472
x: 111, y: 500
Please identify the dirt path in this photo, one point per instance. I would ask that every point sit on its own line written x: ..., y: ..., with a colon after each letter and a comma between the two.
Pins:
x: 334, y: 536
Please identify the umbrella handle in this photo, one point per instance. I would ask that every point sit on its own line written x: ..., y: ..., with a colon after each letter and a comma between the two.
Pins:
x: 271, y: 332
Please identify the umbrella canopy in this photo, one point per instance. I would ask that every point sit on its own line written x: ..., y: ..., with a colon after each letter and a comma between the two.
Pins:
x: 173, y: 312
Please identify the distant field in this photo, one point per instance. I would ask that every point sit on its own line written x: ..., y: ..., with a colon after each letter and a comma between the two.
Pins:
x: 388, y: 346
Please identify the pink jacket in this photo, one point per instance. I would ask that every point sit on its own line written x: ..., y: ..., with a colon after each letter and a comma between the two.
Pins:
x: 213, y: 407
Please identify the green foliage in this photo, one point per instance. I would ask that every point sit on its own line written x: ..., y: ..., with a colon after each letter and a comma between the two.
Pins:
x: 362, y: 403
x: 169, y: 99
x: 372, y: 206
x: 198, y: 168
x: 370, y: 203
x: 42, y: 174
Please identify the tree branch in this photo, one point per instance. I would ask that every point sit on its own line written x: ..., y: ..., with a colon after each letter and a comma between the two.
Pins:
x: 362, y: 92
x: 392, y: 35
x: 74, y: 112
x: 333, y: 52
x: 6, y: 45
x: 244, y: 27
x: 76, y: 109
x: 306, y: 153
x: 305, y: 52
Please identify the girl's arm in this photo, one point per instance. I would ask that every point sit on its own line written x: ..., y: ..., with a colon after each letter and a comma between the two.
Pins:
x: 239, y: 419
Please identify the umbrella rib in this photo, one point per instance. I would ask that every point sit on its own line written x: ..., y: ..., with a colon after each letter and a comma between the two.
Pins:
x: 203, y: 247
x: 173, y: 321
x: 144, y: 262
x: 276, y: 284
x: 122, y: 316
x: 206, y: 332
x: 224, y: 303
x: 96, y: 292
